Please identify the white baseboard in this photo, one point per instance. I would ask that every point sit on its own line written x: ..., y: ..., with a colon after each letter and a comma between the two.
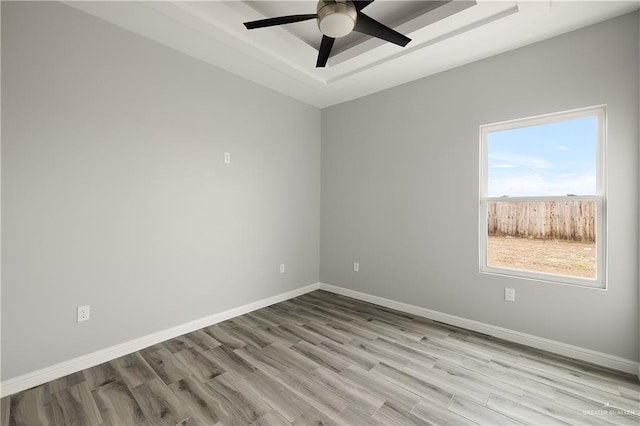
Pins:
x: 29, y: 380
x: 576, y: 352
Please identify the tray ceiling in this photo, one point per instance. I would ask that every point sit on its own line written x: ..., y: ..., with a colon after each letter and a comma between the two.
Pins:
x: 444, y: 34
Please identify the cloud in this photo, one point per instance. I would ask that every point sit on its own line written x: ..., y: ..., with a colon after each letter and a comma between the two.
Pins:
x: 563, y: 148
x: 513, y: 160
x: 536, y: 184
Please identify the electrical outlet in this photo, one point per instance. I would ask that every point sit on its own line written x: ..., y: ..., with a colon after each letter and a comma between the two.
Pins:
x: 356, y: 267
x: 282, y: 268
x: 510, y: 294
x: 227, y: 157
x: 83, y: 313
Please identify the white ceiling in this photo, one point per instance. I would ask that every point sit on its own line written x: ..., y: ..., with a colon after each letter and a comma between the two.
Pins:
x: 444, y: 34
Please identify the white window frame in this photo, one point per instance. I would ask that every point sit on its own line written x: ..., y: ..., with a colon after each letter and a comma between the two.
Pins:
x: 599, y: 282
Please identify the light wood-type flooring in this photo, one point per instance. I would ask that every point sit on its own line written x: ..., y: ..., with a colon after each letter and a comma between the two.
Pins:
x: 328, y: 359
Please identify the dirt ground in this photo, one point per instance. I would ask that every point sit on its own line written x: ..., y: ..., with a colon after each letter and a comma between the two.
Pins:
x: 552, y: 256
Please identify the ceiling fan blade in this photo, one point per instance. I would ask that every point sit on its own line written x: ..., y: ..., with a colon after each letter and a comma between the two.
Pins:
x: 370, y: 26
x: 280, y: 20
x: 325, y: 51
x: 361, y: 4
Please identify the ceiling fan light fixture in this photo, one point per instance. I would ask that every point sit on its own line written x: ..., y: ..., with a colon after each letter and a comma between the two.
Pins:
x: 336, y: 19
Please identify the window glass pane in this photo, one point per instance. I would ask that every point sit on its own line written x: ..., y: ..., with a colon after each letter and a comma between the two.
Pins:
x: 544, y: 160
x: 554, y: 237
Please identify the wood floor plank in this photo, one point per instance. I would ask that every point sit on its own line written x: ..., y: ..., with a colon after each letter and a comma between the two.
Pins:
x: 390, y: 415
x: 272, y: 418
x: 379, y: 353
x: 590, y: 408
x: 230, y: 361
x: 357, y: 396
x: 353, y: 331
x: 571, y: 375
x: 246, y: 321
x: 613, y: 401
x: 478, y: 413
x: 627, y: 390
x: 133, y: 369
x: 335, y: 314
x: 438, y: 414
x: 203, y: 340
x: 397, y: 332
x: 31, y: 407
x: 279, y: 334
x: 5, y: 409
x: 314, y: 301
x: 311, y: 315
x: 101, y: 375
x: 201, y: 364
x: 520, y: 412
x: 224, y: 337
x: 202, y: 406
x: 328, y: 403
x: 332, y: 299
x: 159, y: 404
x: 408, y: 352
x: 301, y: 333
x: 564, y: 412
x: 350, y: 354
x: 285, y: 402
x: 178, y: 344
x: 540, y: 377
x: 497, y: 351
x: 246, y: 334
x: 239, y: 400
x: 66, y: 382
x: 327, y: 332
x: 325, y: 359
x: 288, y: 357
x: 291, y: 315
x: 499, y: 376
x: 462, y: 347
x: 117, y: 406
x: 438, y: 351
x: 424, y: 388
x: 397, y: 396
x: 166, y: 365
x: 352, y: 416
x: 75, y: 405
x: 461, y: 379
x: 313, y: 417
x: 320, y: 356
x: 267, y: 319
x: 470, y: 389
x: 570, y: 363
x: 261, y: 361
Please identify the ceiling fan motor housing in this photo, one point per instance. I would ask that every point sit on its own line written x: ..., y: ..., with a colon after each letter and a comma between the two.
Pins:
x: 336, y: 18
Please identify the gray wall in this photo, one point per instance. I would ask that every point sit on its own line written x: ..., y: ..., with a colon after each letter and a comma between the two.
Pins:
x: 400, y: 187
x: 115, y: 194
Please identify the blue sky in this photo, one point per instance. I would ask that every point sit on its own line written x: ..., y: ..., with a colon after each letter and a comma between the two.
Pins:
x: 549, y: 159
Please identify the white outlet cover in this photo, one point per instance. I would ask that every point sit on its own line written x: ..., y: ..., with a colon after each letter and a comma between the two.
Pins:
x: 227, y: 157
x: 84, y: 313
x: 282, y: 268
x: 356, y: 267
x: 510, y: 294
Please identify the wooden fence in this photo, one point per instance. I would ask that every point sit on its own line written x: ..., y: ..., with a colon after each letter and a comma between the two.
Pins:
x: 563, y: 220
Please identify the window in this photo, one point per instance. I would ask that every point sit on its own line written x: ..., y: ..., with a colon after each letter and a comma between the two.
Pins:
x: 542, y: 198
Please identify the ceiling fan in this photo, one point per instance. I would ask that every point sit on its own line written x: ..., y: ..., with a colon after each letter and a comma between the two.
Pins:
x: 337, y: 18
